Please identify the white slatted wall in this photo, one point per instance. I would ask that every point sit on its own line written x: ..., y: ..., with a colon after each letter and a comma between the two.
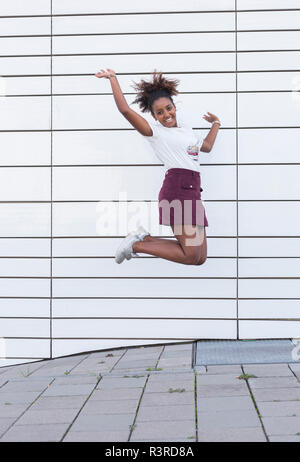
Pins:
x: 64, y: 148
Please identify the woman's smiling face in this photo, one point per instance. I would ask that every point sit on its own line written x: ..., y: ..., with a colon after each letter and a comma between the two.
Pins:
x: 165, y: 112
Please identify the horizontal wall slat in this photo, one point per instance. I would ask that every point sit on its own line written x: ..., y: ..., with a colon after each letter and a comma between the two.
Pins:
x: 92, y: 183
x: 271, y: 182
x: 25, y: 26
x: 26, y: 86
x: 25, y: 46
x: 27, y: 7
x: 277, y: 61
x: 176, y: 22
x: 25, y: 148
x: 132, y: 63
x: 188, y: 83
x: 271, y: 309
x: 269, y: 19
x: 80, y: 219
x: 145, y: 44
x: 268, y: 145
x: 20, y: 220
x: 118, y: 6
x: 24, y: 287
x: 270, y: 267
x: 268, y: 329
x: 269, y: 288
x: 25, y: 65
x: 25, y: 328
x: 180, y: 329
x: 19, y: 247
x: 30, y: 348
x: 14, y: 113
x: 269, y: 114
x: 25, y: 184
x: 268, y: 81
x: 266, y: 4
x: 277, y: 218
x: 91, y: 115
x: 276, y: 40
x: 24, y: 308
x: 101, y: 247
x: 269, y: 247
x: 148, y: 267
x: 96, y: 147
x: 27, y: 267
x: 130, y: 308
x: 87, y: 288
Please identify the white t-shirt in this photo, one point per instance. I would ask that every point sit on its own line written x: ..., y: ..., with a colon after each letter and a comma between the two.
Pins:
x: 176, y: 147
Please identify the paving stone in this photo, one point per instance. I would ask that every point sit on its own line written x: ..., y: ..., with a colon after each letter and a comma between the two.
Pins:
x: 76, y: 380
x: 18, y: 397
x: 164, y: 399
x: 218, y: 379
x: 237, y: 389
x: 12, y: 410
x: 228, y: 403
x: 179, y: 346
x: 158, y: 413
x: 142, y: 364
x: 284, y: 439
x: 273, y: 382
x: 97, y: 436
x: 25, y: 385
x: 69, y: 390
x: 191, y: 439
x: 267, y: 370
x: 178, y: 362
x: 243, y: 435
x: 47, y: 416
x: 116, y: 394
x: 35, y: 433
x: 59, y: 402
x: 224, y: 370
x: 282, y: 408
x: 276, y: 394
x: 183, y: 375
x: 103, y: 354
x: 5, y: 423
x: 164, y: 429
x: 127, y: 406
x: 281, y: 425
x: 130, y: 382
x: 164, y: 386
x: 97, y: 422
x: 227, y: 419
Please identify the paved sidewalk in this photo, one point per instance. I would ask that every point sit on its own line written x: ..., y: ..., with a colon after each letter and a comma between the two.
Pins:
x: 148, y: 394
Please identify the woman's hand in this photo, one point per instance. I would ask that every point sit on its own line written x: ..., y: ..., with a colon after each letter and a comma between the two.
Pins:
x: 210, y: 118
x: 107, y: 74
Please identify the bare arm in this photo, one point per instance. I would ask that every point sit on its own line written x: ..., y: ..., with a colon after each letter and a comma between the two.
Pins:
x: 137, y: 121
x: 209, y: 140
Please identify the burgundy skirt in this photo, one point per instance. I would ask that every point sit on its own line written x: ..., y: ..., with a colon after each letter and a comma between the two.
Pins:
x: 179, y: 200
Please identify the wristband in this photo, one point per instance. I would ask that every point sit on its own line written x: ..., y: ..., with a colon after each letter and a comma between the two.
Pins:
x: 216, y: 122
x: 110, y: 76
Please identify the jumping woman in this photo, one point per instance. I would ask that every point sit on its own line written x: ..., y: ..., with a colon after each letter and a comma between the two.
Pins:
x: 177, y: 147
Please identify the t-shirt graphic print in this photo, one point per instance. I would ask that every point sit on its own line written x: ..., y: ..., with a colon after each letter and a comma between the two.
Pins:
x: 193, y: 152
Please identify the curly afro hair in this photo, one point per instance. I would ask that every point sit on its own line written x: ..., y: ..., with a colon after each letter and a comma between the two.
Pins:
x: 148, y: 92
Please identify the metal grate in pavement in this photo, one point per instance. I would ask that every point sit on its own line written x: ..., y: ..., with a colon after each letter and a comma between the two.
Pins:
x: 217, y: 352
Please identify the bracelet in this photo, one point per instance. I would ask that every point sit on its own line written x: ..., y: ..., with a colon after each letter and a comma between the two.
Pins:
x: 216, y: 122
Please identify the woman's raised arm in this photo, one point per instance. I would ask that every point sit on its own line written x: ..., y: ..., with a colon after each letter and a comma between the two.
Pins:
x: 137, y: 121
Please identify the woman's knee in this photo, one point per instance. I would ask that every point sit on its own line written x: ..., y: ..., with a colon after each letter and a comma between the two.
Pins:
x: 200, y: 261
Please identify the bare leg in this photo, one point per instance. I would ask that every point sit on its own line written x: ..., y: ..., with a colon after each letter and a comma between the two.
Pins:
x: 179, y: 250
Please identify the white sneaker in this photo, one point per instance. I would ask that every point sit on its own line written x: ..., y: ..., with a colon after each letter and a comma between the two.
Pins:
x: 125, y: 248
